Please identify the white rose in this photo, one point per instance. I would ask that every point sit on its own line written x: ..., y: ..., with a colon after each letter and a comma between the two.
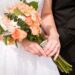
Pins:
x: 21, y: 17
x: 13, y: 25
x: 3, y: 26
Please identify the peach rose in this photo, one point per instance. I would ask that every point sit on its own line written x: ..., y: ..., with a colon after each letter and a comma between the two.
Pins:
x: 25, y: 9
x: 35, y: 18
x: 19, y: 35
x: 35, y: 30
x: 38, y: 21
x: 29, y: 21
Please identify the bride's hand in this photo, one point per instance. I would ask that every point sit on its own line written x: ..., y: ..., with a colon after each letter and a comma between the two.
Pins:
x: 52, y: 47
x: 33, y: 48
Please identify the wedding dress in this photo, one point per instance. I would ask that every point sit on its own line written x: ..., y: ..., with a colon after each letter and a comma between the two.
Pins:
x: 16, y: 61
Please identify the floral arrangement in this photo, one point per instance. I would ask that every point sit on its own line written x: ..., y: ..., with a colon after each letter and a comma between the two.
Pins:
x: 22, y: 21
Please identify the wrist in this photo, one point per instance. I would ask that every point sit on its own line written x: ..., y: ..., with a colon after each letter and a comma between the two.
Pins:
x: 53, y: 34
x: 53, y: 31
x: 45, y: 15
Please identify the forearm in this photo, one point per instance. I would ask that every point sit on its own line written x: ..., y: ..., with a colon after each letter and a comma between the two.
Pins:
x: 47, y: 6
x: 48, y: 23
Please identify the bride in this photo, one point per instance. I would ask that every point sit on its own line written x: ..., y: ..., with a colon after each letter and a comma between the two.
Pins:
x: 18, y: 61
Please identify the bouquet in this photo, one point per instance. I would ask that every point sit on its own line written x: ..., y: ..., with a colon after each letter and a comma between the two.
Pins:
x: 22, y: 21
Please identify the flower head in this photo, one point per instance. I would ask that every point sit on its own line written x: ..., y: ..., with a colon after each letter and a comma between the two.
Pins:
x: 35, y: 30
x: 19, y: 34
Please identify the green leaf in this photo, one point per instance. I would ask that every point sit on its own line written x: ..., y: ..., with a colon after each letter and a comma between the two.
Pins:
x: 34, y: 4
x: 6, y: 39
x: 1, y: 30
x: 24, y: 1
x: 17, y: 12
x: 21, y: 23
x: 16, y: 43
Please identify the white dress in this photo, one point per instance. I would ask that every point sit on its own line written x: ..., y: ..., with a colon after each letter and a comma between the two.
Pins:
x: 16, y: 61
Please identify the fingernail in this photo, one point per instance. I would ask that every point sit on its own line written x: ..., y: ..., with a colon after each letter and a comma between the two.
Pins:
x: 55, y: 59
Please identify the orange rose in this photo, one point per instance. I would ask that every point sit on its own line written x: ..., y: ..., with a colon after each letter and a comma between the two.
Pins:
x: 19, y: 35
x: 38, y: 19
x: 35, y: 30
x: 29, y: 21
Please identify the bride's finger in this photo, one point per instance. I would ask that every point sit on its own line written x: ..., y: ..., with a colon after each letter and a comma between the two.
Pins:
x: 35, y: 49
x: 57, y: 54
x: 31, y: 50
x: 54, y: 51
x: 40, y: 50
x: 51, y: 48
x: 46, y: 48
